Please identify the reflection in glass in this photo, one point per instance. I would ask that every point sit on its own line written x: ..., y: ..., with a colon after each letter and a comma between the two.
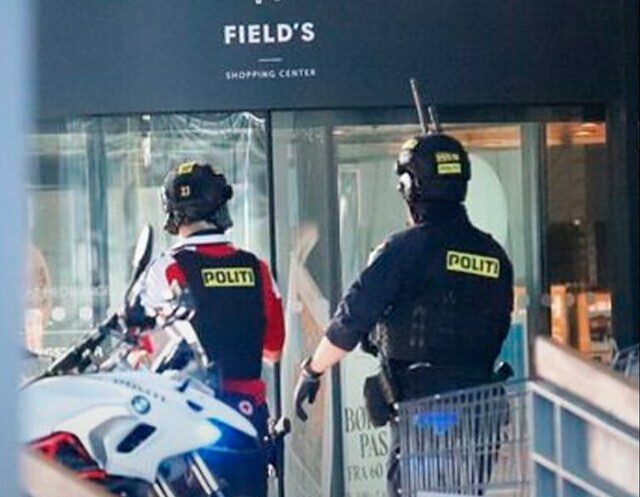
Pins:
x: 303, y: 247
x: 578, y: 206
x: 94, y: 182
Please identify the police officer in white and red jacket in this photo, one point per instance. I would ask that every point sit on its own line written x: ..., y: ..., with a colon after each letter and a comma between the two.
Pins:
x: 239, y: 318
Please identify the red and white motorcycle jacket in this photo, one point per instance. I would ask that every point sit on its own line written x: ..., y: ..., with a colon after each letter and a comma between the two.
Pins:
x: 239, y: 318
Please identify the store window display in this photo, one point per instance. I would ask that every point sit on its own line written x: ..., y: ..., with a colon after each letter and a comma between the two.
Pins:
x: 578, y: 233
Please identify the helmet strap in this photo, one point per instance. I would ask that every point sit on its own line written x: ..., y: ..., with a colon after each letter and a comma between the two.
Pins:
x: 173, y: 222
x: 221, y: 218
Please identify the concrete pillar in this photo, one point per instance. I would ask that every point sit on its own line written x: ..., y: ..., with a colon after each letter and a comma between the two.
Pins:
x: 15, y: 91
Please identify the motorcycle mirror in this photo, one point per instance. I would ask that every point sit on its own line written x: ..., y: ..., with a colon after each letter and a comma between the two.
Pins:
x: 141, y: 256
x: 142, y: 252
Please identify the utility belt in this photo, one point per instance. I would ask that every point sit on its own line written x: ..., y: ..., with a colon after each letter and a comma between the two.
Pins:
x: 399, y: 381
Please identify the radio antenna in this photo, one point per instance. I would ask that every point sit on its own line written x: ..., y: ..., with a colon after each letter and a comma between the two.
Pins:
x: 434, y: 123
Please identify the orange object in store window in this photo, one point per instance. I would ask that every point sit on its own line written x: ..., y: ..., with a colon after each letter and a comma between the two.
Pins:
x: 560, y: 330
x: 593, y: 313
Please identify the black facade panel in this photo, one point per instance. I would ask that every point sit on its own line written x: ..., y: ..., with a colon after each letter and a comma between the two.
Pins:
x: 97, y: 56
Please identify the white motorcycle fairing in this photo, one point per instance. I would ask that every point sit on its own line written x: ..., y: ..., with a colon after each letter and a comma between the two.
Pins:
x: 104, y: 411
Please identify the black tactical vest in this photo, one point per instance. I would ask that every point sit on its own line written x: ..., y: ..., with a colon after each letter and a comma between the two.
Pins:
x: 230, y: 319
x: 455, y: 313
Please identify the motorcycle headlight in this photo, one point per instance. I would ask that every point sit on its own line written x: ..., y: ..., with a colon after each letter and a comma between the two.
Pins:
x: 209, y: 433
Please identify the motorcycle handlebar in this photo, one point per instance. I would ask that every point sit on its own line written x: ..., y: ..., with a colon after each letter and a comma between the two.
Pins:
x: 76, y: 356
x: 79, y: 357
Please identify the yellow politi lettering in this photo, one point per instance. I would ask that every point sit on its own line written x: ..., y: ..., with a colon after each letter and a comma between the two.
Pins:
x: 478, y: 265
x: 228, y: 277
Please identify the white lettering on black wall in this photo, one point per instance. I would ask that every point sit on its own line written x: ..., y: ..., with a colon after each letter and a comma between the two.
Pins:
x: 267, y: 34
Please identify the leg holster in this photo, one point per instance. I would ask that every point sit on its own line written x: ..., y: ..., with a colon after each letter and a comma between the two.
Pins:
x: 380, y: 398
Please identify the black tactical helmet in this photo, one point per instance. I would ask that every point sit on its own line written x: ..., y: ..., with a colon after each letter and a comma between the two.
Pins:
x: 433, y: 167
x: 195, y: 192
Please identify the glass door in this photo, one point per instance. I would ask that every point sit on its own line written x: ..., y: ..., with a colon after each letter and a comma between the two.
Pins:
x: 335, y: 201
x: 306, y: 243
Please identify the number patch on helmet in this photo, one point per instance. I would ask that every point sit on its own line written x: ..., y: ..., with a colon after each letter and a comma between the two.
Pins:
x: 186, y: 168
x: 478, y: 265
x: 229, y: 277
x: 448, y: 163
x: 185, y: 191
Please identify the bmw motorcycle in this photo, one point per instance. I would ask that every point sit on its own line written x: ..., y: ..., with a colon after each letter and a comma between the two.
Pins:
x: 136, y: 433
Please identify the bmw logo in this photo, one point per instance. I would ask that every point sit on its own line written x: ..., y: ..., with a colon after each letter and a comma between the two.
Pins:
x: 141, y: 404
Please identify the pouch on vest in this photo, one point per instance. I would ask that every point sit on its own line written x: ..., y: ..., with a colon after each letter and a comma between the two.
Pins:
x: 379, y: 399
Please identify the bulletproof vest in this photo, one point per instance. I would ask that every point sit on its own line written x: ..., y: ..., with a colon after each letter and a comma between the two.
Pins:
x: 229, y: 320
x: 454, y: 314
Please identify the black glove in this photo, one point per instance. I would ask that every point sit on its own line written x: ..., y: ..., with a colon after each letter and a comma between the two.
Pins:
x: 502, y: 372
x: 135, y: 316
x: 306, y: 389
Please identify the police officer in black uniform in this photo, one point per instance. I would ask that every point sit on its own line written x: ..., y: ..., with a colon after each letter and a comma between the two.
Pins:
x: 437, y: 296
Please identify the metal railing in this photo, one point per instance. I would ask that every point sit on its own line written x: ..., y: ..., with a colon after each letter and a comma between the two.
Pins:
x: 579, y: 451
x: 523, y: 439
x: 627, y: 361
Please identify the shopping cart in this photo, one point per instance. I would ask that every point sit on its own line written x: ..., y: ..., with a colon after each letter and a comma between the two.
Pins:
x: 468, y: 442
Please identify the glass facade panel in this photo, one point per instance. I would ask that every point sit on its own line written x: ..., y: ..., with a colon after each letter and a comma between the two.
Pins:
x: 94, y: 183
x: 578, y: 231
x: 370, y: 209
x: 60, y: 290
x: 301, y: 154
